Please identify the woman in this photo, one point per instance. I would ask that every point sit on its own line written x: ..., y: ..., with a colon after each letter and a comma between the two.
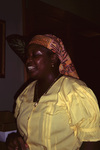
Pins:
x: 57, y: 111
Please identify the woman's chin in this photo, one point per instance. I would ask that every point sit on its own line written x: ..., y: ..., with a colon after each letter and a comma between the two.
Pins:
x: 32, y: 75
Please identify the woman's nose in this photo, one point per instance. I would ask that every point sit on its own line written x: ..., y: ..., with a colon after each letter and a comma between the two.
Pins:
x: 29, y: 59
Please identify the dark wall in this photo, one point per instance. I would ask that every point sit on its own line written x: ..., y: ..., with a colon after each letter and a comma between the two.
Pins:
x: 81, y: 37
x: 11, y: 13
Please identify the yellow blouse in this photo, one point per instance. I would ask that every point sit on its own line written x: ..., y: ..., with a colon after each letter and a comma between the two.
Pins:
x: 65, y: 116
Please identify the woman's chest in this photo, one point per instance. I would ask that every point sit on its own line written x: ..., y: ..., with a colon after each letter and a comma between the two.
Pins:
x: 49, y: 114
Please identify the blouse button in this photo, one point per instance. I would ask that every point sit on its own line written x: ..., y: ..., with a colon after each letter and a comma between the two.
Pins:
x: 35, y: 104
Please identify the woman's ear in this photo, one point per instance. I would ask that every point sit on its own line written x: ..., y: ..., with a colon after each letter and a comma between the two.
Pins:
x: 54, y: 59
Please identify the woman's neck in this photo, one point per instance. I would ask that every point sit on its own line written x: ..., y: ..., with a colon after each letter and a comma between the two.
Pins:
x: 48, y: 79
x: 42, y: 86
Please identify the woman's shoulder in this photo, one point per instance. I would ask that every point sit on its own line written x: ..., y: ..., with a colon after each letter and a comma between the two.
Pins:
x: 73, y: 86
x: 81, y: 102
x: 27, y: 89
x: 72, y: 82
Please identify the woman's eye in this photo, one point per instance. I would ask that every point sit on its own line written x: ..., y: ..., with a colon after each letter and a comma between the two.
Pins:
x: 37, y: 54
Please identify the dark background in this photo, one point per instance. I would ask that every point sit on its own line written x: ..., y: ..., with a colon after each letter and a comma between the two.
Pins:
x: 80, y: 36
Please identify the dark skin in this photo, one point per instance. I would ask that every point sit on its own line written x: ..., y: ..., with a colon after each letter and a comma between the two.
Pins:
x: 42, y: 67
x: 39, y: 66
x: 14, y: 141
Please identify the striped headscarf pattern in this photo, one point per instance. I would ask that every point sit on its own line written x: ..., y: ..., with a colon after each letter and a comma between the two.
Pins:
x: 56, y: 45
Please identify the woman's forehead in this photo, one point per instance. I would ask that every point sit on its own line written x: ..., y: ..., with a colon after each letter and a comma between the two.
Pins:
x: 36, y: 47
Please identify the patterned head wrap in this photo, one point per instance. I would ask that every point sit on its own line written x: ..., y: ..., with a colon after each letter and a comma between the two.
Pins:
x: 56, y: 45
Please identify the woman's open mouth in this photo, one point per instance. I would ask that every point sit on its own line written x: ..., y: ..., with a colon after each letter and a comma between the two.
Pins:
x: 31, y: 68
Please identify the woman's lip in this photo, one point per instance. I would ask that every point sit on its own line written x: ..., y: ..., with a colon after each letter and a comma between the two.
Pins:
x: 30, y: 68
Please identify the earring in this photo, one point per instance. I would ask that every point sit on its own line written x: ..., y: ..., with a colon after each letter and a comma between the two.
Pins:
x: 52, y: 65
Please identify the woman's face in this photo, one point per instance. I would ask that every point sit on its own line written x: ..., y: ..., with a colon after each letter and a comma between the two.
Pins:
x: 38, y: 63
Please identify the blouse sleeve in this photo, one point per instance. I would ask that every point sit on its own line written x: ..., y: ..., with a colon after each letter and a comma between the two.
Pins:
x: 17, y: 108
x: 26, y: 93
x: 83, y: 112
x: 19, y: 101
